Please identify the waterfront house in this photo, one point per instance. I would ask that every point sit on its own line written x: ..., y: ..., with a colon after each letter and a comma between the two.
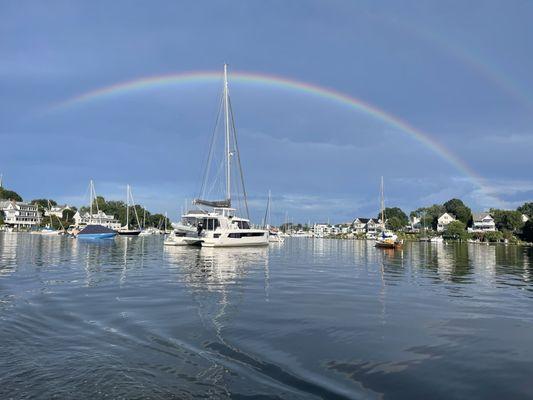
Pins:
x: 100, y: 218
x: 482, y: 222
x: 444, y: 220
x: 525, y: 218
x: 414, y: 224
x: 359, y: 225
x: 366, y: 225
x: 18, y: 214
x: 56, y: 211
x: 321, y: 229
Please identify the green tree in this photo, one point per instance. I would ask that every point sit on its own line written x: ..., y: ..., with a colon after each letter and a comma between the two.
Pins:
x: 459, y: 209
x: 507, y: 220
x: 43, y: 203
x: 527, y: 231
x: 456, y: 230
x: 493, y: 236
x: 527, y: 209
x: 9, y: 195
x: 429, y: 215
x: 395, y: 224
x: 395, y: 212
x: 158, y: 221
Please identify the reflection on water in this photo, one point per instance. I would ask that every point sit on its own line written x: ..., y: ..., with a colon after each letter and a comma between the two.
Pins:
x: 214, y: 268
x: 130, y: 318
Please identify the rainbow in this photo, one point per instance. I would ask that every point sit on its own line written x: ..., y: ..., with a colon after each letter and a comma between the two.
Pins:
x: 470, y: 60
x: 283, y: 83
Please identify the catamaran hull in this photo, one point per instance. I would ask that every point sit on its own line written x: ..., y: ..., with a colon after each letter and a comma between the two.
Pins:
x: 232, y: 239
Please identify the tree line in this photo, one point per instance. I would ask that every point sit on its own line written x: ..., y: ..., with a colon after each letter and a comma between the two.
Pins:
x: 112, y: 207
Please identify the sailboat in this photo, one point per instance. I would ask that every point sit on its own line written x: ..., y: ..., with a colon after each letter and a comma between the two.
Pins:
x: 386, y: 239
x: 91, y: 230
x: 125, y: 230
x: 216, y: 221
x: 50, y: 230
x: 273, y: 233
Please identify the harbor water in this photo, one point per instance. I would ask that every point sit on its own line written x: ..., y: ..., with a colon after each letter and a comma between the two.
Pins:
x: 310, y: 318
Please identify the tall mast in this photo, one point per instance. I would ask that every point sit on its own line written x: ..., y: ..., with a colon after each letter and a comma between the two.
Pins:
x: 382, y: 204
x: 91, y: 198
x: 127, y: 206
x: 227, y: 136
x: 269, y: 205
x: 50, y: 211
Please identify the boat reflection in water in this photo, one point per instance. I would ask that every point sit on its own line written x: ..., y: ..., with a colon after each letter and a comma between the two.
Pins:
x: 214, y: 268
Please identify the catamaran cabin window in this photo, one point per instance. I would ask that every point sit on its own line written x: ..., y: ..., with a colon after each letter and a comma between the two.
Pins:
x: 210, y: 224
x: 244, y: 234
x: 243, y: 224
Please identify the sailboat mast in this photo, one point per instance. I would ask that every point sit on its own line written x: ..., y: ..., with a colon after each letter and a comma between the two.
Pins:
x: 269, y: 205
x: 382, y: 204
x: 91, y: 198
x: 227, y: 134
x: 127, y: 206
x: 50, y: 211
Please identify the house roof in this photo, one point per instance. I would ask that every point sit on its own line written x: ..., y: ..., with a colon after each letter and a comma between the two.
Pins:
x: 366, y: 220
x: 480, y: 216
x: 447, y: 213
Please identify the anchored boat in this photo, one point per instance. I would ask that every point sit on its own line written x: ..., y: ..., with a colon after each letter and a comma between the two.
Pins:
x: 126, y: 230
x: 386, y: 239
x: 96, y: 232
x: 217, y: 222
x: 92, y: 230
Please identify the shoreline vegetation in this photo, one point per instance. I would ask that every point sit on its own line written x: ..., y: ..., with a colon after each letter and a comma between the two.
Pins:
x: 511, y: 226
x: 117, y: 208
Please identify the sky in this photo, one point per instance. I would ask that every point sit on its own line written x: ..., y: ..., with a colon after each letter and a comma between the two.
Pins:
x: 436, y: 97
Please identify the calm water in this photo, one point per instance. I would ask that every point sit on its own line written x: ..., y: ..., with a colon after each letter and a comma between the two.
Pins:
x: 128, y: 318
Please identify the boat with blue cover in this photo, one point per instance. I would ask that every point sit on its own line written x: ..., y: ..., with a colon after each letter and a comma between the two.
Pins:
x: 96, y: 232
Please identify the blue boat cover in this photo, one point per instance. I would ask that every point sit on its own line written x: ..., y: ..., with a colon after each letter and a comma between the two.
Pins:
x: 94, y: 229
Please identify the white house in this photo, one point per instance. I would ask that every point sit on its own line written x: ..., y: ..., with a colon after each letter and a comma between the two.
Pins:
x: 525, y: 218
x: 483, y: 222
x: 100, y: 218
x: 443, y: 221
x: 366, y: 225
x: 321, y: 230
x: 56, y: 211
x: 19, y: 214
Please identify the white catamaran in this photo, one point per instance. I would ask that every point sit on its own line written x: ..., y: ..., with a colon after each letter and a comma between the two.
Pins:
x: 216, y: 223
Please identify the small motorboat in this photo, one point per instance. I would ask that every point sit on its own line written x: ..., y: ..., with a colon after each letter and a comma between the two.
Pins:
x: 274, y: 236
